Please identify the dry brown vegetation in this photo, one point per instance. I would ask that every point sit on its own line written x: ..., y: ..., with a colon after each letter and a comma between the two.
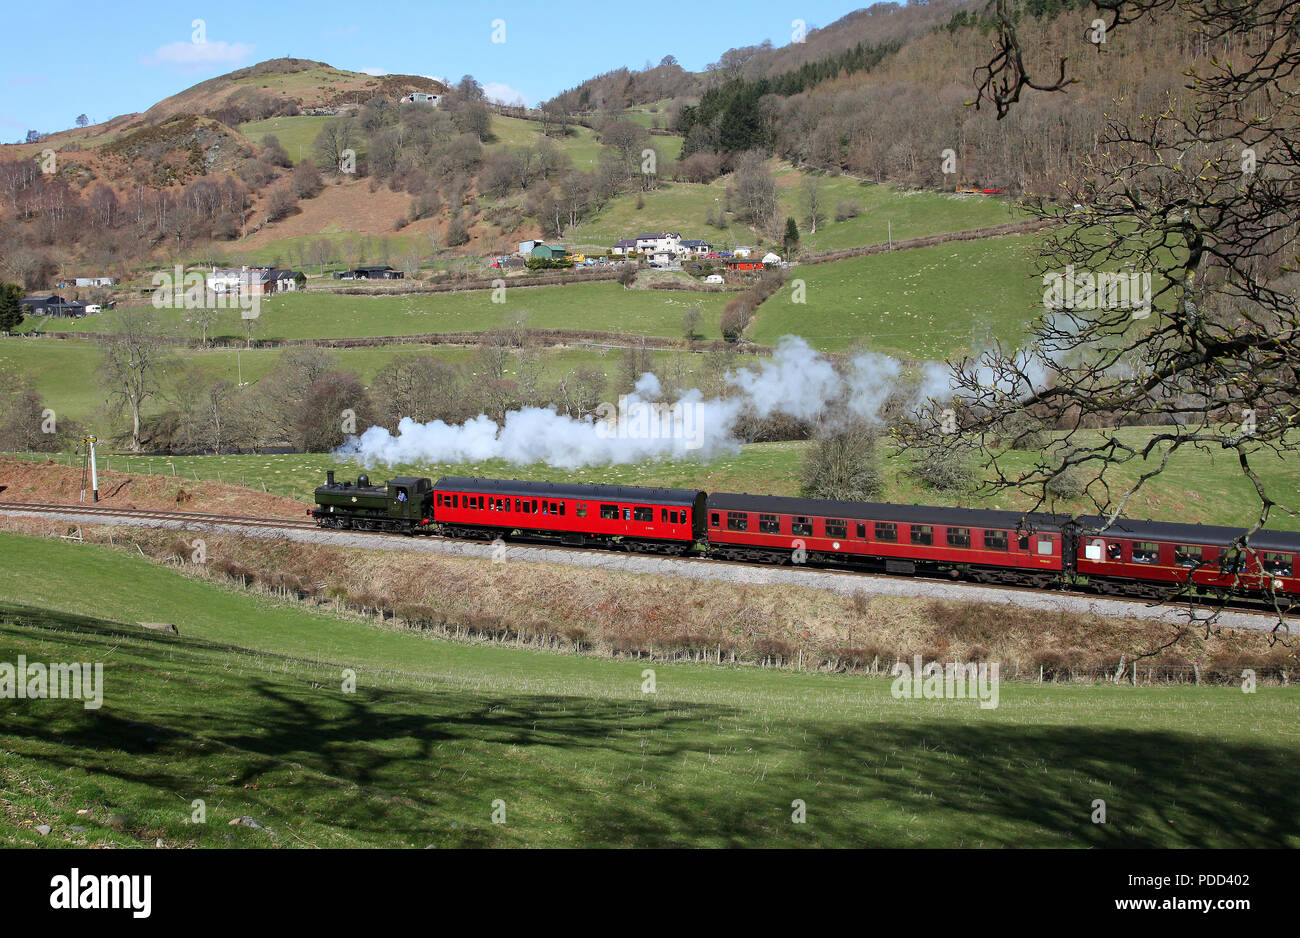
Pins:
x: 51, y: 483
x: 581, y: 610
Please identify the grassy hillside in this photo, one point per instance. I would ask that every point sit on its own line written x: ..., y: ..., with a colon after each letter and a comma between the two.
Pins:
x: 296, y: 134
x: 246, y: 710
x: 924, y: 303
x: 603, y: 306
x: 885, y: 211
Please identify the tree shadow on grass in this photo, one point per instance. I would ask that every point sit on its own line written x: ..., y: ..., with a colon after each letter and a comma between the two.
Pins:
x: 394, y: 765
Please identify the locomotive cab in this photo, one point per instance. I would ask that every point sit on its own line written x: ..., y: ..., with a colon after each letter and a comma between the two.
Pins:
x: 410, y: 499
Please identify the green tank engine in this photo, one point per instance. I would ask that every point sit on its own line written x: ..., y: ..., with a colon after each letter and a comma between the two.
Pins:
x: 404, y: 504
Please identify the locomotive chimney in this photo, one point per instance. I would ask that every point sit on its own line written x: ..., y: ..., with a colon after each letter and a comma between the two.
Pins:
x: 329, y: 477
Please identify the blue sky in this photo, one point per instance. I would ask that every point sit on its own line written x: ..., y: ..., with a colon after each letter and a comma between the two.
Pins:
x: 105, y: 59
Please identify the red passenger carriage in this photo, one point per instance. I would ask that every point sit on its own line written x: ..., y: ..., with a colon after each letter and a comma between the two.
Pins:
x: 633, y: 517
x: 990, y: 546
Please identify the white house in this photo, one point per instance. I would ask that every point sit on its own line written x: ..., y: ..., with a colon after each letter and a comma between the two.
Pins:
x: 419, y: 97
x: 742, y: 251
x: 668, y: 241
x: 97, y: 281
x: 697, y: 247
x: 526, y: 247
x: 226, y: 279
x: 662, y: 257
x: 250, y: 280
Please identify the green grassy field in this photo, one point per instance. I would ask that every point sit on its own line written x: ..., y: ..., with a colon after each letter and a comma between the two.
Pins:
x: 246, y: 710
x: 581, y: 144
x: 925, y: 303
x: 65, y: 371
x: 603, y: 306
x: 1196, y: 487
x: 885, y: 212
x: 296, y: 134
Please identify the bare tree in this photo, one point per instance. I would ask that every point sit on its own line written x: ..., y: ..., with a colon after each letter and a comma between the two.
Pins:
x: 135, y: 357
x: 814, y: 203
x: 841, y: 464
x: 335, y: 138
x: 754, y: 190
x: 1170, y: 294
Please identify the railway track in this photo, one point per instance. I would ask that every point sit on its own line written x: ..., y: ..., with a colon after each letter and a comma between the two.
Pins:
x: 235, y: 523
x: 185, y: 517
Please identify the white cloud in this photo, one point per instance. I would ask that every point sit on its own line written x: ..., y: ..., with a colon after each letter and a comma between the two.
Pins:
x: 373, y: 70
x: 503, y: 94
x: 191, y: 56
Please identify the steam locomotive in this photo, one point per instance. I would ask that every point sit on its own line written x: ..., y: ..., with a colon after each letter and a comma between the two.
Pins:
x: 1146, y: 559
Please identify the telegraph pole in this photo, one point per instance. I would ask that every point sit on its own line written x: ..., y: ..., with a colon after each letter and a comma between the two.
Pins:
x: 88, y: 468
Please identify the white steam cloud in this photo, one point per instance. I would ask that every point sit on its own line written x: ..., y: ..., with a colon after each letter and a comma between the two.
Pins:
x: 796, y: 381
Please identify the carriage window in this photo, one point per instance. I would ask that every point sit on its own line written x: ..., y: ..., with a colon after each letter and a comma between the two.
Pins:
x: 959, y: 537
x: 862, y: 530
x: 922, y: 534
x: 1186, y: 556
x: 995, y: 540
x: 546, y: 508
x: 1115, y: 551
x: 643, y: 514
x: 886, y: 531
x: 582, y: 510
x: 663, y: 515
x: 561, y: 507
x: 737, y: 521
x: 801, y: 526
x: 1145, y: 552
x: 1023, y: 542
x: 627, y: 514
x: 609, y: 512
x: 836, y: 527
x: 455, y: 501
x: 1044, y: 543
x: 439, y: 499
x: 769, y: 524
x: 715, y: 519
x: 1276, y: 564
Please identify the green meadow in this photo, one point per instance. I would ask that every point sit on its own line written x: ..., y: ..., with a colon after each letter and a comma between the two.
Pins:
x: 885, y: 212
x: 65, y: 371
x: 920, y: 304
x: 339, y: 732
x: 602, y: 306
